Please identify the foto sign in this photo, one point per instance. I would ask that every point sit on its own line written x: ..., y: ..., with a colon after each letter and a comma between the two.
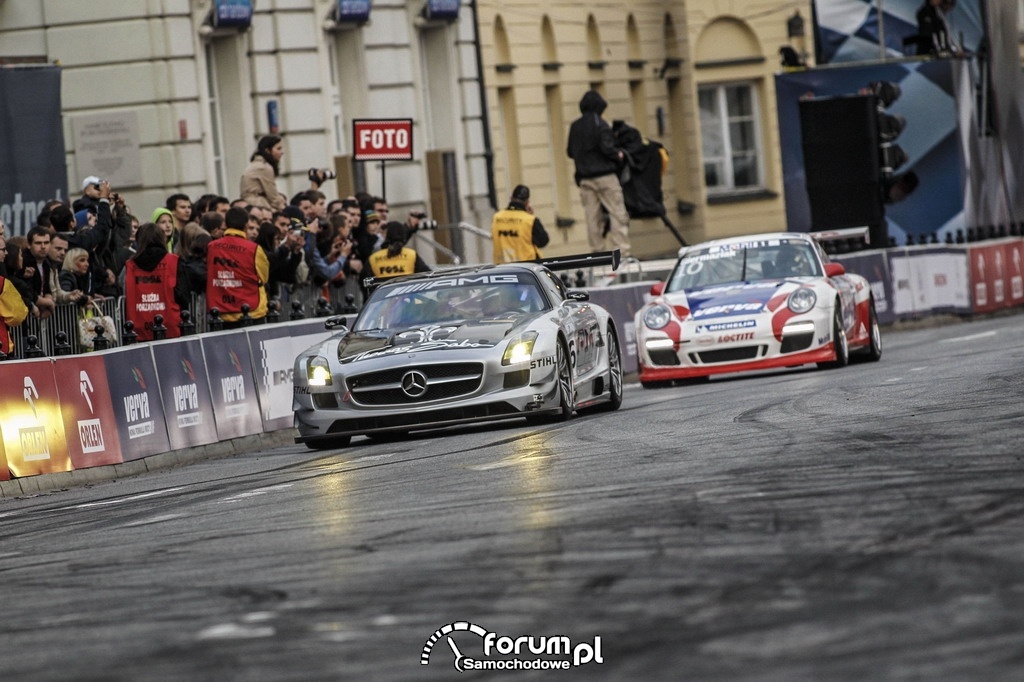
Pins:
x: 378, y: 139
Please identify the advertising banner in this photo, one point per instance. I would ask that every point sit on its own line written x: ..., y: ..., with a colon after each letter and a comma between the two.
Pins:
x: 30, y: 419
x: 232, y: 385
x: 32, y: 164
x: 135, y: 393
x: 89, y: 420
x: 274, y: 349
x: 185, y: 391
x: 622, y: 302
x: 929, y: 279
x: 996, y: 274
x: 874, y: 267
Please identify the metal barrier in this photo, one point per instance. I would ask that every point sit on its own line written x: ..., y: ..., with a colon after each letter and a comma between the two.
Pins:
x: 64, y: 319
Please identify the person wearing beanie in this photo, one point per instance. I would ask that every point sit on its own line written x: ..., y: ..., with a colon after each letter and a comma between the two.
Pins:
x: 84, y: 218
x: 395, y: 258
x: 517, y: 235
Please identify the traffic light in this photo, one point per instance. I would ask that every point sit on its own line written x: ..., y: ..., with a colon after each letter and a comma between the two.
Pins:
x: 891, y: 156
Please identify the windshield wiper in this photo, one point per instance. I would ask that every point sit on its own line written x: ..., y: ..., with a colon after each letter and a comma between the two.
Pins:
x: 743, y: 272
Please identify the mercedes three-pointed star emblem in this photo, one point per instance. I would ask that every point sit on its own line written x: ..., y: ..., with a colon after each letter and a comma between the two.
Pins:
x: 414, y: 384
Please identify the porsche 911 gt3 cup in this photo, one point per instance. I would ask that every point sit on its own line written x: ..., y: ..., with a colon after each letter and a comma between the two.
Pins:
x: 754, y: 302
x: 460, y: 345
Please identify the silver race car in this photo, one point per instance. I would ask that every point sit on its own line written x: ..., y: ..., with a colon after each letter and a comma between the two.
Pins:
x: 456, y: 346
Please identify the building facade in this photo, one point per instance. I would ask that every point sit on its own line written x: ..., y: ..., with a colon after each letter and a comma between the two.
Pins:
x: 165, y: 96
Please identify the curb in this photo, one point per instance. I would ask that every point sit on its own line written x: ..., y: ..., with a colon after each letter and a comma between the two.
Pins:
x: 30, y: 486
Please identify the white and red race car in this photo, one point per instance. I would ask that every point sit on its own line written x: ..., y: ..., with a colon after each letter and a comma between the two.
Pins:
x: 754, y: 302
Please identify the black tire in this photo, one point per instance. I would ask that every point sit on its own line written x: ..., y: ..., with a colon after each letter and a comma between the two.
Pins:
x: 567, y: 403
x: 842, y: 344
x: 614, y: 373
x: 329, y: 443
x: 873, y: 352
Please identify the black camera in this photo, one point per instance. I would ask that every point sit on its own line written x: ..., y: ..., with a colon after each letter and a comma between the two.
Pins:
x: 320, y: 174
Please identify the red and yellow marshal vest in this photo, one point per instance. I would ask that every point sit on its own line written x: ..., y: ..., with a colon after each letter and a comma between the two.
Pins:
x: 392, y: 266
x: 232, y: 279
x: 151, y: 293
x: 512, y: 235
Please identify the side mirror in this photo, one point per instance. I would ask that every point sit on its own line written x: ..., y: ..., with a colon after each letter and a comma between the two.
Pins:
x: 657, y: 289
x: 578, y: 296
x: 336, y: 322
x: 834, y: 270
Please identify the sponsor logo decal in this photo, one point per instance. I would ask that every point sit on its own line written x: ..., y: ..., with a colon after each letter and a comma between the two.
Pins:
x: 90, y: 431
x: 549, y: 361
x: 725, y: 326
x: 450, y: 282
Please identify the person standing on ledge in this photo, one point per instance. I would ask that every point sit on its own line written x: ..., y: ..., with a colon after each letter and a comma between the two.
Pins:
x: 592, y: 147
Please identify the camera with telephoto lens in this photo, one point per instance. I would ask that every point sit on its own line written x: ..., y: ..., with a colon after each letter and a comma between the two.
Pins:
x: 424, y: 223
x: 321, y: 174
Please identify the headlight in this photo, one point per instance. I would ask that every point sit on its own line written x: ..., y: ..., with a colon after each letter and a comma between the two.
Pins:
x: 657, y: 316
x: 802, y: 300
x: 318, y: 372
x: 519, y: 349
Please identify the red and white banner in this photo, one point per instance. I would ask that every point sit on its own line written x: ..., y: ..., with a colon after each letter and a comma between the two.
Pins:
x: 997, y: 274
x: 382, y: 139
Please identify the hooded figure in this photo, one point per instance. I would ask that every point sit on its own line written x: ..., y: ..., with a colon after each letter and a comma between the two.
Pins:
x: 592, y: 147
x: 591, y: 141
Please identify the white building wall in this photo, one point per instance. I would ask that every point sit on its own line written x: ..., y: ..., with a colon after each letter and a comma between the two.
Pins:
x: 150, y: 57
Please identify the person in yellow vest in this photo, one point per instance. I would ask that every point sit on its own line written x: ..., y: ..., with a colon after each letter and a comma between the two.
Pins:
x: 13, y: 310
x: 396, y: 258
x: 516, y: 233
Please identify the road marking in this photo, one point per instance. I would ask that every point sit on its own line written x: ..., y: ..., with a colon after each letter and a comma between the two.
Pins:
x: 255, y: 493
x: 120, y: 500
x: 972, y: 337
x: 154, y: 519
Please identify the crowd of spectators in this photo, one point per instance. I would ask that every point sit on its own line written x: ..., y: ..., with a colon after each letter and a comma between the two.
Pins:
x: 249, y: 250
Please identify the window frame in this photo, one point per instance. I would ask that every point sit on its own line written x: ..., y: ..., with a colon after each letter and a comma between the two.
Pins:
x: 723, y: 121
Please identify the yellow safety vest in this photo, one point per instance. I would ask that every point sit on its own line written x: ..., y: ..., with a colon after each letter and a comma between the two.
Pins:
x: 392, y: 266
x: 512, y: 235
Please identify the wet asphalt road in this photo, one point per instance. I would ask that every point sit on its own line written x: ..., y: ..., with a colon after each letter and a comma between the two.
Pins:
x: 865, y: 523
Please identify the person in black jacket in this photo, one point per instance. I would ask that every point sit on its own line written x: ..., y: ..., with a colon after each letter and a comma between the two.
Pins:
x: 592, y: 147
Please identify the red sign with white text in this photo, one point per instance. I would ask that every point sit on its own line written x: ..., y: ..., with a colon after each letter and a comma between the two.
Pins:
x: 377, y: 139
x: 90, y: 423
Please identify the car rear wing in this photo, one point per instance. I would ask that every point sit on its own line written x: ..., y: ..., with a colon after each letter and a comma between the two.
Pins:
x: 846, y: 233
x: 582, y: 260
